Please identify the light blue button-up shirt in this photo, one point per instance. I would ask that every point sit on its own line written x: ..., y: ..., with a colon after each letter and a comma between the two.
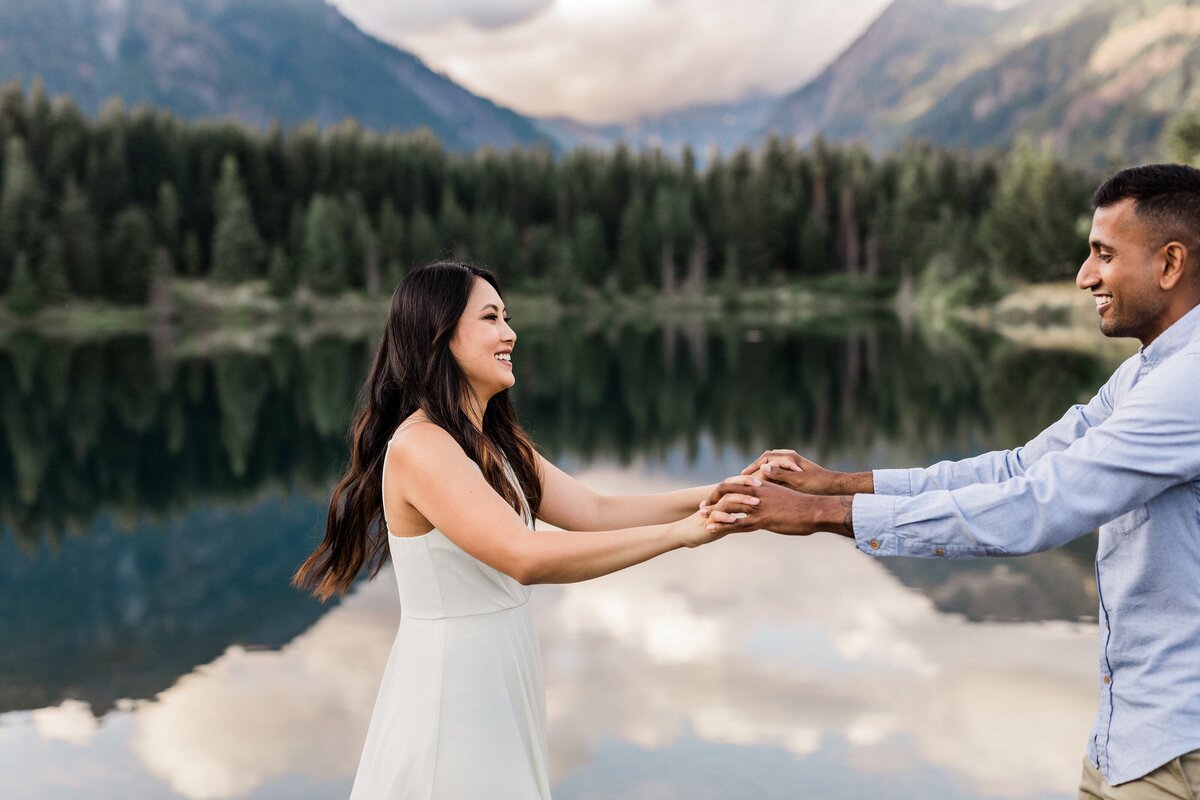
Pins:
x: 1128, y: 462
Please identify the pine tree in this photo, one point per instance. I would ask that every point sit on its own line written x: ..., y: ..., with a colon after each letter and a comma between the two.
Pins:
x: 23, y: 297
x: 167, y: 218
x: 130, y: 256
x: 1029, y: 232
x: 453, y: 225
x: 236, y: 245
x: 423, y: 243
x: 19, y: 203
x: 589, y: 253
x: 52, y: 272
x: 323, y: 265
x: 1182, y: 138
x: 77, y: 228
x: 391, y: 232
x: 633, y: 247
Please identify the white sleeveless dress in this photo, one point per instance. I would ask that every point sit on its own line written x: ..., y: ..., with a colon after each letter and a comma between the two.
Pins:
x: 461, y: 712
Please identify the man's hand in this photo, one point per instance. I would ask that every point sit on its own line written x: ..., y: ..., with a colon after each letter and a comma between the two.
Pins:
x: 789, y: 468
x: 745, y: 503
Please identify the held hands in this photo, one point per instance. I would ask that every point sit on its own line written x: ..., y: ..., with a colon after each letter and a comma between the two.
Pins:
x: 747, y: 503
x: 695, y: 530
x: 789, y: 468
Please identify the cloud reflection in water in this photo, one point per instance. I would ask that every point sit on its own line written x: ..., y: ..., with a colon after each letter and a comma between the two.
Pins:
x: 756, y: 642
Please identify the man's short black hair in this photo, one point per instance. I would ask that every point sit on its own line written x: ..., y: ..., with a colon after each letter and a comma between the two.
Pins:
x: 1165, y: 196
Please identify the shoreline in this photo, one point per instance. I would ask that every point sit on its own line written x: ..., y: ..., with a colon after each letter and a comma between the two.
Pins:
x: 1050, y: 316
x: 200, y: 317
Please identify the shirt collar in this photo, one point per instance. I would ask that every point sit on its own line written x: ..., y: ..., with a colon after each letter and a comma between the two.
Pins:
x: 1172, y: 340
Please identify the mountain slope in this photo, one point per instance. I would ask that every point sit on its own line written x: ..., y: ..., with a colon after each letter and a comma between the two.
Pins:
x: 903, y: 64
x: 1101, y: 87
x: 1096, y: 79
x: 257, y: 60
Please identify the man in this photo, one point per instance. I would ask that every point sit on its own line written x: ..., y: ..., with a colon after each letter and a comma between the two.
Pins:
x: 1128, y: 462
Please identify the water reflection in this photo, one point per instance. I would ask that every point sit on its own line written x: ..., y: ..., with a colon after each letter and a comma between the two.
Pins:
x: 120, y: 426
x: 156, y: 500
x: 803, y: 651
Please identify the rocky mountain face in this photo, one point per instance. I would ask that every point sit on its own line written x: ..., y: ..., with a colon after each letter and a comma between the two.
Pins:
x: 1095, y: 79
x: 255, y: 60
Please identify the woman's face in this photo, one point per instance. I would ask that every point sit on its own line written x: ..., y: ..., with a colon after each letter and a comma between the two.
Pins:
x: 483, y: 343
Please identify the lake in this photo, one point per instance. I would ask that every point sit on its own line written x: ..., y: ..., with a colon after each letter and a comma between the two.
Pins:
x: 157, y: 492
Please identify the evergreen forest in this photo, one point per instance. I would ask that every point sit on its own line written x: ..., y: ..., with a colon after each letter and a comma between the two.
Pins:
x: 103, y: 209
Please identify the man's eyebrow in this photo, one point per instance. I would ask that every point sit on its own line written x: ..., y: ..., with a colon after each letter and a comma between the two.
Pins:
x: 1100, y: 245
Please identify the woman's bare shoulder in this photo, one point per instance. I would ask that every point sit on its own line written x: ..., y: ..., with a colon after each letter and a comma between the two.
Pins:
x: 418, y: 436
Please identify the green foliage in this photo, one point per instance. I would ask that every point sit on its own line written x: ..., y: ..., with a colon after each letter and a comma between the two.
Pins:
x: 349, y: 209
x: 323, y: 265
x: 588, y: 250
x: 20, y: 201
x: 1182, y: 138
x: 77, y: 227
x: 236, y: 245
x: 93, y: 425
x: 23, y: 296
x: 130, y: 257
x: 52, y: 272
x: 1030, y: 230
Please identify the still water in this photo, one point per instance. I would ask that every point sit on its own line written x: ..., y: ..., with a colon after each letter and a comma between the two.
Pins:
x: 155, y: 495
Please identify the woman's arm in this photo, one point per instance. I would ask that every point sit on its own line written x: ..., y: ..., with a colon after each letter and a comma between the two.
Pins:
x: 569, y: 504
x: 428, y: 469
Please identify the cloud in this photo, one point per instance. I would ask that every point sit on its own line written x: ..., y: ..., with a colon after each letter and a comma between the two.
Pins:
x: 613, y: 60
x: 408, y: 17
x: 71, y: 722
x: 756, y: 641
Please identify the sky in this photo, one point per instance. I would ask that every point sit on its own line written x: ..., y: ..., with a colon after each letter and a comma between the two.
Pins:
x: 600, y: 61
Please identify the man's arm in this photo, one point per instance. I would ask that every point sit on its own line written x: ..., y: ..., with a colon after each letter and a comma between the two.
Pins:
x: 1148, y: 445
x: 791, y: 469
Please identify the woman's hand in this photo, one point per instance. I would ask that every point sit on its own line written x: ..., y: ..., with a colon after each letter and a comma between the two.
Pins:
x: 694, y: 531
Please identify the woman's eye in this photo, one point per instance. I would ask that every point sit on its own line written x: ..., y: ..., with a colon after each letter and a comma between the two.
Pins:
x: 490, y: 316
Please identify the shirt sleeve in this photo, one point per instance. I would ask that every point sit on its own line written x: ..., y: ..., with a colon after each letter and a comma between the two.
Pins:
x: 1147, y: 445
x: 1000, y: 465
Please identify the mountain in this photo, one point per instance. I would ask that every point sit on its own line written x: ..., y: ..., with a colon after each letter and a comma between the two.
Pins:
x: 255, y: 60
x: 1101, y: 86
x: 708, y: 128
x: 1096, y: 79
x: 905, y: 63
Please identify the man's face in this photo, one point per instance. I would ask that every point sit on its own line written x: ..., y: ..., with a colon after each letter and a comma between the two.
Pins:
x: 1122, y: 272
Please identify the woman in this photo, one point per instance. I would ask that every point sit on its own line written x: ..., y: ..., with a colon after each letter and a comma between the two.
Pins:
x: 444, y: 480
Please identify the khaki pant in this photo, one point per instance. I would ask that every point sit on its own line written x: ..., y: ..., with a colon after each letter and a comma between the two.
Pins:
x: 1175, y: 780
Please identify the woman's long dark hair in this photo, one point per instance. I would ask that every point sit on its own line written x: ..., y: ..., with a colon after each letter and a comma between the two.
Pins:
x: 414, y: 369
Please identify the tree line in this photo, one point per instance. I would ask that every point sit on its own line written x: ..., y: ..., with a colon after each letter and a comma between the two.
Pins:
x: 101, y: 208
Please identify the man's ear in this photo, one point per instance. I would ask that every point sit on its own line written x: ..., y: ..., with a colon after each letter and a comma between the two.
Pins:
x: 1175, y: 262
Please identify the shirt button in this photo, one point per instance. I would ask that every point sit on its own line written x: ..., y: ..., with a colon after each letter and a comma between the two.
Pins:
x: 874, y: 544
x: 1107, y: 680
x: 940, y: 551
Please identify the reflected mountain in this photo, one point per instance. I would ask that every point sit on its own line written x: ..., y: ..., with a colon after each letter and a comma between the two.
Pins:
x: 123, y: 613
